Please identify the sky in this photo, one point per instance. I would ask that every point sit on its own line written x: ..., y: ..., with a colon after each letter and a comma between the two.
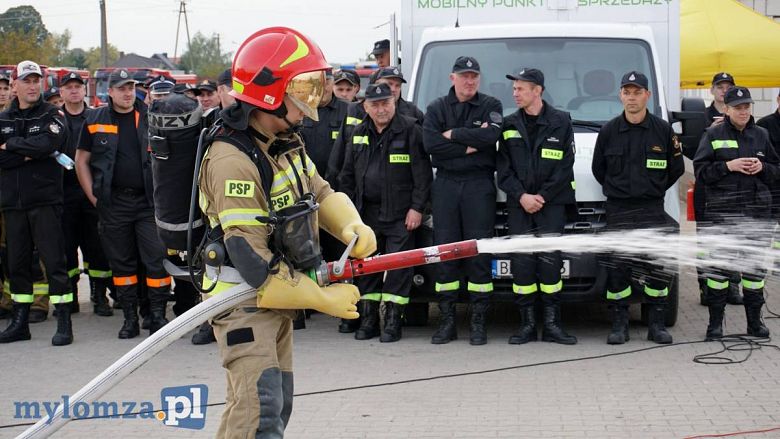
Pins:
x: 344, y: 30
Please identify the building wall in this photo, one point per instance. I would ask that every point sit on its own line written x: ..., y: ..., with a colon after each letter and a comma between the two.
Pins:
x: 766, y: 98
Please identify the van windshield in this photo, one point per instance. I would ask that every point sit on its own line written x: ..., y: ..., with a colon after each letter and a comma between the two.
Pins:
x: 582, y: 75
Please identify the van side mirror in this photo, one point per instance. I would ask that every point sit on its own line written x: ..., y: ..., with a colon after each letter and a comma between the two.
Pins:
x: 693, y: 122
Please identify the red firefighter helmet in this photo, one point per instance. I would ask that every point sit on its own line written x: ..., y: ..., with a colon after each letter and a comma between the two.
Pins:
x: 278, y: 61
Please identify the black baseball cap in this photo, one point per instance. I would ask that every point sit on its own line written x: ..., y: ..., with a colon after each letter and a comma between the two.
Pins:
x: 207, y: 84
x: 225, y: 78
x: 380, y: 47
x: 723, y: 77
x: 635, y: 78
x: 71, y: 76
x: 529, y: 75
x: 161, y: 85
x: 378, y: 92
x: 4, y: 77
x: 347, y: 75
x: 54, y: 91
x: 737, y: 95
x: 465, y: 64
x: 120, y: 77
x: 387, y: 72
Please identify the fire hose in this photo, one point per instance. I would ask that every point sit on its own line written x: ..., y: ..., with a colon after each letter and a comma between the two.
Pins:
x: 342, y: 270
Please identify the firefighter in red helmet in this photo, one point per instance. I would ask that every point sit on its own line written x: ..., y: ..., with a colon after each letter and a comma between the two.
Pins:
x: 264, y: 196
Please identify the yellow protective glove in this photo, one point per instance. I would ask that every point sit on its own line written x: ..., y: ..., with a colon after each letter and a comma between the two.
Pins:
x: 338, y: 216
x: 297, y: 291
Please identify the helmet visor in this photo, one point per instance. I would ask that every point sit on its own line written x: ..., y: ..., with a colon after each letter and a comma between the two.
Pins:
x: 305, y: 91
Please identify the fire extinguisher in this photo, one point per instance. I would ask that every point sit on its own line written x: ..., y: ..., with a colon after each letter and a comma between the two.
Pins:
x: 691, y: 211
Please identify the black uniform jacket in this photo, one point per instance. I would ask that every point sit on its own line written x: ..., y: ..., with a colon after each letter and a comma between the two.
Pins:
x: 465, y: 119
x: 637, y: 164
x: 545, y: 167
x: 29, y: 176
x: 734, y: 194
x: 405, y: 166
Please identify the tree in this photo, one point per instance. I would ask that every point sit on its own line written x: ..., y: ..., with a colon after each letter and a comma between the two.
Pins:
x: 24, y: 20
x: 92, y: 57
x: 24, y: 36
x: 58, y: 44
x: 204, y: 57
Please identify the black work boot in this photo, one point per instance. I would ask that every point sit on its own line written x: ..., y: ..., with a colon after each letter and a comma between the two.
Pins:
x: 74, y: 305
x: 716, y: 300
x: 478, y: 332
x: 19, y: 328
x: 157, y: 304
x: 101, y: 306
x: 130, y: 327
x: 38, y: 315
x: 393, y: 316
x: 348, y: 326
x: 734, y: 297
x: 656, y: 330
x: 754, y: 301
x: 552, y: 330
x: 447, y: 330
x: 527, y: 331
x: 64, y: 334
x: 113, y: 295
x: 205, y: 335
x: 369, y: 323
x: 619, y: 332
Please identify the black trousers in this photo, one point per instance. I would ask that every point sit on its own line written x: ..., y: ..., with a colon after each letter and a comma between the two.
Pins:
x: 80, y: 226
x: 464, y: 209
x: 38, y: 227
x: 129, y: 233
x: 391, y: 237
x: 534, y: 272
x: 621, y: 268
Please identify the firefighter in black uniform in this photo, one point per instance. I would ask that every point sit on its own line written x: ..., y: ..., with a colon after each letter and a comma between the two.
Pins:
x: 536, y: 170
x: 460, y: 133
x: 356, y: 113
x: 721, y: 82
x: 739, y: 166
x: 771, y: 123
x: 114, y: 170
x: 346, y: 85
x: 637, y: 158
x: 31, y: 131
x: 80, y: 217
x: 388, y: 176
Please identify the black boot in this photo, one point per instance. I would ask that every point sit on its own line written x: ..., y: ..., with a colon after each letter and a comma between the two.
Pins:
x: 369, y: 323
x: 552, y: 330
x: 393, y: 316
x: 656, y: 330
x: 19, y: 328
x: 716, y: 300
x: 64, y: 334
x: 348, y: 326
x: 101, y: 306
x: 157, y: 304
x: 734, y: 297
x: 619, y: 332
x: 74, y: 305
x: 754, y: 301
x: 205, y: 335
x: 38, y: 315
x: 112, y: 294
x: 447, y: 330
x: 478, y: 333
x: 130, y: 327
x: 527, y: 331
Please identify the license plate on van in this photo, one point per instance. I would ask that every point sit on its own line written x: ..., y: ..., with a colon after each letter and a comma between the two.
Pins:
x: 502, y: 269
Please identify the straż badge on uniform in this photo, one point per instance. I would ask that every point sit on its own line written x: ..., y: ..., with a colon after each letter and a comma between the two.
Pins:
x: 54, y: 128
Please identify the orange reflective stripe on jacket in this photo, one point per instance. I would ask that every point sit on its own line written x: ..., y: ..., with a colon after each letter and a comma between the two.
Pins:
x: 157, y: 283
x: 125, y: 280
x: 103, y: 128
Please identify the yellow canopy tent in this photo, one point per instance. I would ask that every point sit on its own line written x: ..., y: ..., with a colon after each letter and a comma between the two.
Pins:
x: 724, y: 35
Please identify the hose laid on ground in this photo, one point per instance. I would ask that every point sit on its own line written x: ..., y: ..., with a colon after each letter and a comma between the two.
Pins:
x: 142, y: 353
